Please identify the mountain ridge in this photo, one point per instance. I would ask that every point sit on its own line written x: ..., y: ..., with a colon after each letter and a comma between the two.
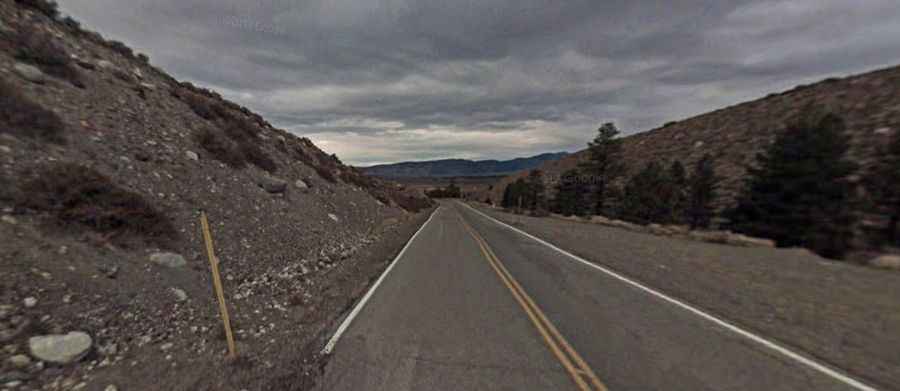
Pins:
x: 460, y: 167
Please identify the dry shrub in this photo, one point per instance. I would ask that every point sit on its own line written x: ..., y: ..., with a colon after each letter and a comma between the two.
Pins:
x: 257, y: 157
x: 76, y: 194
x: 20, y: 116
x: 412, y: 203
x: 38, y: 48
x: 221, y: 148
x: 46, y: 7
x: 120, y: 48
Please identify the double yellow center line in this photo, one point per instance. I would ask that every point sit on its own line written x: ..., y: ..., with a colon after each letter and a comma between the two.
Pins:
x: 583, y: 376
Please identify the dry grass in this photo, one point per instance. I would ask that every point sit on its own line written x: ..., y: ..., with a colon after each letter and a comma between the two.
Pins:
x: 38, y: 48
x: 75, y: 194
x: 46, y: 7
x: 22, y: 117
x: 221, y: 148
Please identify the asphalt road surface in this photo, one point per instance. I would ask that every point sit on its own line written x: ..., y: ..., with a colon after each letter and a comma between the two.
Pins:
x: 472, y: 304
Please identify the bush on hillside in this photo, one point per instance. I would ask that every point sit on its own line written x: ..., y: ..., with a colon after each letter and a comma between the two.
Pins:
x: 76, y: 194
x: 883, y: 185
x: 120, y: 48
x: 257, y: 157
x: 221, y: 148
x: 702, y: 193
x: 572, y: 194
x: 38, y: 48
x: 46, y: 7
x: 799, y: 194
x: 22, y: 117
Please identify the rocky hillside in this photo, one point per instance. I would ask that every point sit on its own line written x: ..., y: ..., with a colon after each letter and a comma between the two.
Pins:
x: 869, y: 103
x: 459, y: 167
x: 105, y: 163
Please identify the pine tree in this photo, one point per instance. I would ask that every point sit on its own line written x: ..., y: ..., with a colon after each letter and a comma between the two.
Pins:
x: 798, y: 193
x: 883, y: 183
x: 571, y: 194
x: 702, y: 193
x: 675, y: 193
x: 604, y: 164
x: 645, y: 200
x: 534, y: 197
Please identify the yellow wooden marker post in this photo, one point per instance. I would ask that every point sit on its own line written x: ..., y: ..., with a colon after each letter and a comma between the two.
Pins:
x: 217, y: 283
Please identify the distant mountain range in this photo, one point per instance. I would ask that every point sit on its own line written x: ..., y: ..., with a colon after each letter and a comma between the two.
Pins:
x: 459, y: 167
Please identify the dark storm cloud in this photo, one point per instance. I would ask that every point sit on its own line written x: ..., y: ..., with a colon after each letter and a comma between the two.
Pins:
x: 387, y: 80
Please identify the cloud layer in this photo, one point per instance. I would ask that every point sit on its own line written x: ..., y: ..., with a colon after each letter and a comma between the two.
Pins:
x: 388, y: 80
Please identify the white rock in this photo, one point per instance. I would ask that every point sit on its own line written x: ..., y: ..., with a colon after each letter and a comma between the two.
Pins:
x: 168, y: 260
x: 105, y: 64
x: 111, y: 387
x: 301, y: 184
x: 9, y: 220
x: 30, y: 302
x: 180, y: 294
x: 333, y: 217
x: 883, y: 131
x: 60, y: 349
x: 191, y: 155
x: 30, y: 73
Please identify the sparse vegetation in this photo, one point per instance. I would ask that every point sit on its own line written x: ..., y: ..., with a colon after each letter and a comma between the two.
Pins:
x: 645, y: 196
x: 22, y: 117
x: 46, y: 7
x: 527, y: 193
x: 799, y: 194
x: 257, y: 157
x: 450, y: 191
x: 75, y: 194
x: 38, y: 48
x: 221, y: 148
x: 120, y: 48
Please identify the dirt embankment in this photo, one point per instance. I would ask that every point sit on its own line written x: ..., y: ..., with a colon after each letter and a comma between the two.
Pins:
x: 105, y: 163
x: 840, y: 313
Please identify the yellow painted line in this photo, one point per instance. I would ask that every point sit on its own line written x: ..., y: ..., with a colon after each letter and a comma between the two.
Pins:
x: 551, y: 335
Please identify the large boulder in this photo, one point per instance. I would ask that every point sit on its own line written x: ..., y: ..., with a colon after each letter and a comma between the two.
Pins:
x: 168, y: 260
x: 60, y: 349
x: 272, y: 185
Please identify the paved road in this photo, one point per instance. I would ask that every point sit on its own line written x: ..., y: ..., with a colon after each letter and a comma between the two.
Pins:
x: 473, y: 305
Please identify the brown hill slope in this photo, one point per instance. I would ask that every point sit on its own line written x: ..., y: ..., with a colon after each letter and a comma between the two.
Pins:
x: 870, y: 103
x: 105, y: 162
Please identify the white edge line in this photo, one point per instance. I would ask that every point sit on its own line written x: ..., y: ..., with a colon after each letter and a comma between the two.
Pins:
x: 362, y: 302
x: 725, y: 324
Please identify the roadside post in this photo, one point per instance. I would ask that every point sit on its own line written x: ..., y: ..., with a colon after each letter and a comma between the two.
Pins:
x: 217, y: 284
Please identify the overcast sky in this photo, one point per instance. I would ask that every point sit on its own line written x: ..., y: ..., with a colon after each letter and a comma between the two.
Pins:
x: 390, y: 80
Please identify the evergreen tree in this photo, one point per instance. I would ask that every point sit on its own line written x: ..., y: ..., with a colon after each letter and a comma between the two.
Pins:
x: 883, y: 183
x: 798, y: 193
x: 535, y: 199
x: 571, y: 194
x: 515, y: 193
x: 675, y: 192
x: 702, y: 192
x: 604, y: 164
x: 645, y: 199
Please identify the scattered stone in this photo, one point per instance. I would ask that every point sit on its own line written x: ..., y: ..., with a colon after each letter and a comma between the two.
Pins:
x: 698, y: 144
x: 9, y: 220
x: 5, y: 149
x: 333, y: 217
x: 166, y: 346
x: 180, y: 294
x: 19, y: 361
x: 111, y: 387
x: 86, y: 64
x: 148, y: 86
x: 108, y: 349
x: 30, y: 73
x: 883, y: 131
x: 887, y: 261
x: 168, y: 260
x: 30, y: 302
x: 191, y: 155
x: 105, y: 64
x: 272, y: 185
x: 60, y: 349
x: 301, y: 184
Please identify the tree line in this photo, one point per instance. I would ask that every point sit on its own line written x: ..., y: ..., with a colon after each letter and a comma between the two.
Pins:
x: 802, y: 191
